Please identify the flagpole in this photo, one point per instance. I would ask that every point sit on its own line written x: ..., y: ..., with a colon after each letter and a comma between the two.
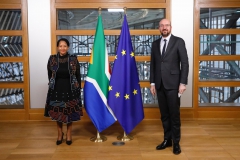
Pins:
x: 98, y: 88
x: 125, y: 10
x: 98, y: 138
x: 125, y: 137
x: 99, y: 10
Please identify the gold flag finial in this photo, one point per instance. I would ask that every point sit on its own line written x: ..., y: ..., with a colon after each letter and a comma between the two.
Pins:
x: 125, y: 10
x: 99, y: 10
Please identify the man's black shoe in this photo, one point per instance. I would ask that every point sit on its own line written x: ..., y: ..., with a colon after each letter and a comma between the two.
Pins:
x: 176, y: 148
x: 164, y: 144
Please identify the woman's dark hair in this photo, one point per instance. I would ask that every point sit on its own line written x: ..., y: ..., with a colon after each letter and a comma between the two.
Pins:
x: 63, y: 39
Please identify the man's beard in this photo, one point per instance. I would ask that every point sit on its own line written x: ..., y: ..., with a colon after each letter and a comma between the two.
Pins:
x: 165, y: 34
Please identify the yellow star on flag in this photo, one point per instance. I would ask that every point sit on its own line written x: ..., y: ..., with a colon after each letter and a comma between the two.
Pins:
x: 109, y: 88
x: 117, y: 94
x: 123, y: 52
x: 116, y: 57
x: 132, y: 54
x: 126, y: 96
x: 135, y: 92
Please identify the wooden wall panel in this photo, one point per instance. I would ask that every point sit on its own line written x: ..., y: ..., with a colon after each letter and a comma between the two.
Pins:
x: 10, y: 1
x: 216, y: 1
x: 17, y: 114
x: 13, y: 114
x: 222, y: 110
x: 112, y: 5
x: 206, y: 112
x: 106, y: 32
x: 112, y: 1
x: 150, y: 113
x: 220, y: 5
x: 219, y: 114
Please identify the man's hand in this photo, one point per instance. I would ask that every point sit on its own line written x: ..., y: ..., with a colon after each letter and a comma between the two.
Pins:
x: 153, y: 90
x: 182, y: 88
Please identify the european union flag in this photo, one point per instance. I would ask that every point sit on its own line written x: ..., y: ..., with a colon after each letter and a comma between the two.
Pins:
x: 124, y: 97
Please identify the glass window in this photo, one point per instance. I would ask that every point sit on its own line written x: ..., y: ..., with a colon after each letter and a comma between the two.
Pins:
x: 82, y: 45
x: 83, y: 70
x: 219, y: 70
x: 10, y: 19
x: 10, y: 46
x: 222, y: 44
x: 147, y: 97
x: 11, y: 98
x: 143, y: 70
x: 219, y: 96
x: 11, y: 72
x: 73, y: 19
x: 219, y: 18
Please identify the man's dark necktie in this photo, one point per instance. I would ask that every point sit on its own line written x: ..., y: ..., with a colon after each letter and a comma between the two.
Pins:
x: 164, y: 47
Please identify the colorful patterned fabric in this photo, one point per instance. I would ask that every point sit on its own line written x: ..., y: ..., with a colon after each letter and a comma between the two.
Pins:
x: 63, y: 102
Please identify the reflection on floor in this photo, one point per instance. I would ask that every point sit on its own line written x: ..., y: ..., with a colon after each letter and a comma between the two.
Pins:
x: 201, y: 139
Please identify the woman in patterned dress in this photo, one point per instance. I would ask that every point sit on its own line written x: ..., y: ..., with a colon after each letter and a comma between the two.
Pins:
x: 63, y: 103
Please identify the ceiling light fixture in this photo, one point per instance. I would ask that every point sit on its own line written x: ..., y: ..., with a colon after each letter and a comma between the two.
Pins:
x: 115, y: 10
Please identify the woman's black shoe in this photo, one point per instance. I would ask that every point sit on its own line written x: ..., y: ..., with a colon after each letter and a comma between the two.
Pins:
x: 69, y: 142
x: 58, y: 142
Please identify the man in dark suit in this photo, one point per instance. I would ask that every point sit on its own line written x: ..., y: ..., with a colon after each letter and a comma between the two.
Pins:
x: 168, y: 77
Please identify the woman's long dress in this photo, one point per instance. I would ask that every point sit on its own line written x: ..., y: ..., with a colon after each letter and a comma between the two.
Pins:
x: 63, y: 104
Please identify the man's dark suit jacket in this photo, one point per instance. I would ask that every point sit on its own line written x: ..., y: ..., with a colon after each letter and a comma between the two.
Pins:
x: 172, y: 69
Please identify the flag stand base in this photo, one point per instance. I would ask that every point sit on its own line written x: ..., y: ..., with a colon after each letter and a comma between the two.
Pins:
x: 125, y: 137
x: 98, y: 138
